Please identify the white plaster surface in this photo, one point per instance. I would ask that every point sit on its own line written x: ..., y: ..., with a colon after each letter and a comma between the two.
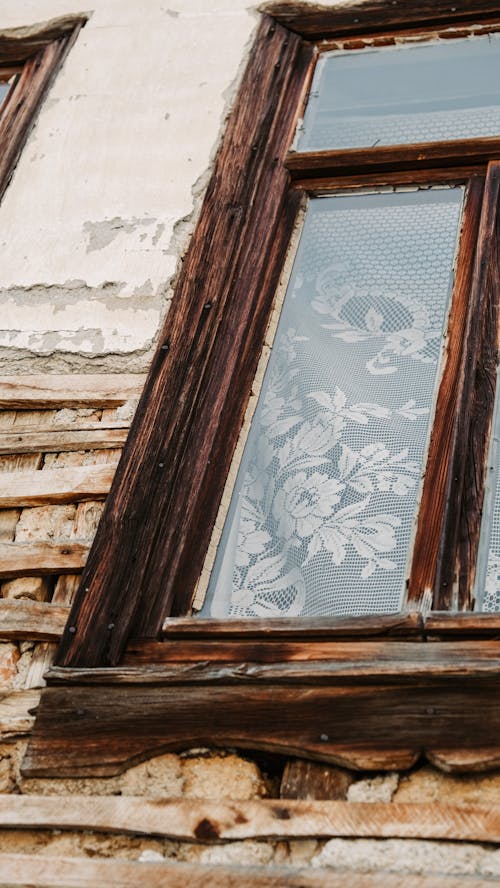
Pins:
x: 91, y: 226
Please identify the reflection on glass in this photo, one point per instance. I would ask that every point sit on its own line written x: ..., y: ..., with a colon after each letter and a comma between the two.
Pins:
x: 400, y: 95
x: 4, y: 89
x: 487, y: 591
x: 322, y: 514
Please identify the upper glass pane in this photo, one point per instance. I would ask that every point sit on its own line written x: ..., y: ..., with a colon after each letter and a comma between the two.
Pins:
x: 322, y: 515
x: 4, y: 89
x: 399, y: 95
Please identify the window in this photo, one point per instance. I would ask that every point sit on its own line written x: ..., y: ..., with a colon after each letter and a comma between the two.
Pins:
x: 370, y: 691
x: 29, y: 61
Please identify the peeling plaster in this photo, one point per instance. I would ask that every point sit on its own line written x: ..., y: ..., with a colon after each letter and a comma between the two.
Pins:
x: 101, y: 234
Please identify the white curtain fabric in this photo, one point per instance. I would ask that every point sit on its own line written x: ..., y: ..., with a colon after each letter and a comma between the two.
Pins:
x: 322, y: 515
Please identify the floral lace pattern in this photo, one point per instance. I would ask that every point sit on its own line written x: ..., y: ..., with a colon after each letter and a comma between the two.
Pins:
x: 323, y: 510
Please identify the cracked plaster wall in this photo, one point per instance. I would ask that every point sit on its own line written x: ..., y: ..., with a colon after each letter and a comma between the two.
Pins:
x: 104, y: 197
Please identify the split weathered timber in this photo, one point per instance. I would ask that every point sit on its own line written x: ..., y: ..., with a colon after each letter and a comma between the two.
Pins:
x: 473, y: 449
x: 32, y: 620
x: 63, y: 440
x: 18, y: 871
x: 40, y: 559
x: 19, y: 44
x: 50, y: 486
x: 215, y: 821
x: 150, y: 546
x: 315, y: 21
x: 387, y: 625
x: 16, y: 716
x: 456, y: 175
x: 392, y: 158
x: 447, y: 625
x: 314, y: 781
x: 26, y: 97
x: 74, y: 390
x: 368, y: 713
x: 443, y: 482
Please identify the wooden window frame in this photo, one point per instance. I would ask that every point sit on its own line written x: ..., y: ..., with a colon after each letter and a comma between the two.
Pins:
x: 37, y: 54
x: 375, y: 692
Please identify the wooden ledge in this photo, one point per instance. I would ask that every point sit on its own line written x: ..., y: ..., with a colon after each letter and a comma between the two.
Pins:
x: 372, y: 706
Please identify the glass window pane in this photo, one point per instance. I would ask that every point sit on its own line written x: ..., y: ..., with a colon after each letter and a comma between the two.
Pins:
x: 399, y: 95
x: 322, y: 516
x: 4, y: 89
x: 487, y: 586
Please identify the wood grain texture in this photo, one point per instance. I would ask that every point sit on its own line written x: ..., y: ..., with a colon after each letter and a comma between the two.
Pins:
x: 19, y: 44
x: 473, y: 451
x: 443, y: 483
x: 51, y: 486
x: 314, y: 628
x: 216, y: 821
x: 461, y: 625
x: 150, y: 546
x: 392, y: 159
x: 368, y: 714
x: 38, y: 871
x: 75, y: 390
x: 41, y: 559
x: 59, y: 440
x: 32, y: 620
x: 456, y: 175
x: 16, y: 713
x: 314, y: 780
x: 315, y: 21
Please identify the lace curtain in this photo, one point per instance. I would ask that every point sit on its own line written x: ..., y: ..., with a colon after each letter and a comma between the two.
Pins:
x: 322, y: 515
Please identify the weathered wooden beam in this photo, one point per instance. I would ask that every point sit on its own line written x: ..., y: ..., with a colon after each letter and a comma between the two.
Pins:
x: 369, y: 713
x: 315, y: 21
x: 16, y: 718
x: 215, y: 821
x: 97, y: 437
x: 32, y: 620
x: 280, y: 628
x: 18, y: 44
x: 38, y: 871
x: 41, y: 559
x: 74, y: 390
x: 149, y: 550
x: 50, y: 486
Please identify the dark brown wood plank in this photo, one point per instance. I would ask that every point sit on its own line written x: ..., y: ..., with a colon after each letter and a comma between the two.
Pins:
x: 32, y: 620
x: 474, y: 450
x: 456, y: 175
x: 45, y: 392
x: 19, y: 44
x: 362, y: 722
x: 461, y: 625
x: 314, y: 780
x: 315, y: 21
x: 395, y: 625
x: 366, y: 661
x: 150, y: 546
x: 20, y: 870
x: 26, y: 98
x: 392, y: 158
x: 440, y: 504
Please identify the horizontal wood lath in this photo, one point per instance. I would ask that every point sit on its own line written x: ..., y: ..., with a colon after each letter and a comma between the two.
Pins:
x: 315, y: 21
x: 41, y: 559
x: 80, y: 872
x: 214, y: 821
x: 71, y: 390
x: 391, y: 625
x: 63, y: 440
x: 151, y: 543
x: 51, y: 486
x: 32, y: 620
